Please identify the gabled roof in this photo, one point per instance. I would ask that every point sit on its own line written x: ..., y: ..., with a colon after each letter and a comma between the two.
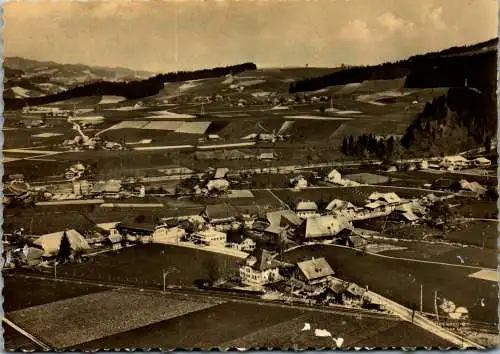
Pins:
x: 323, y: 226
x: 375, y: 205
x: 51, y: 242
x: 410, y: 216
x: 282, y: 217
x: 275, y: 229
x: 315, y: 268
x: 263, y: 261
x: 355, y: 290
x: 221, y: 172
x: 337, y: 204
x: 302, y: 206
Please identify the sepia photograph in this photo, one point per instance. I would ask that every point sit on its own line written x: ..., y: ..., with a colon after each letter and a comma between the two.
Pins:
x: 273, y: 175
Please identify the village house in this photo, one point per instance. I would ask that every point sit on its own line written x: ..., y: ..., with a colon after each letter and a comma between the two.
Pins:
x: 260, y: 269
x: 334, y: 177
x: 314, y: 272
x: 267, y: 156
x: 454, y: 162
x: 221, y: 173
x: 50, y: 243
x: 306, y: 209
x: 210, y: 237
x: 321, y: 227
x: 481, y: 162
x: 136, y: 231
x: 115, y: 239
x: 168, y: 235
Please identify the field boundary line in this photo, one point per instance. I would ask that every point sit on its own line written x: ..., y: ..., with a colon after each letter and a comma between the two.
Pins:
x: 402, y: 258
x: 26, y: 334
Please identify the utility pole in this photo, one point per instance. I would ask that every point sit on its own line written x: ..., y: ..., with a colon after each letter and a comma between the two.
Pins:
x: 436, y: 305
x: 421, y: 298
x: 164, y: 276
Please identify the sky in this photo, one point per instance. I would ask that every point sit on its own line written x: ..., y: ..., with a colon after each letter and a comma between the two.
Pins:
x: 165, y: 36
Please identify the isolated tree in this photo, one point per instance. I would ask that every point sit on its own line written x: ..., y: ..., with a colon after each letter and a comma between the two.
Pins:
x: 64, y: 248
x: 345, y: 146
x: 213, y: 270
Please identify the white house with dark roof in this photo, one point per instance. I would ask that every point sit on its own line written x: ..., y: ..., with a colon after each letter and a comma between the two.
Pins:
x: 306, y: 209
x: 321, y: 227
x: 315, y: 271
x: 260, y: 269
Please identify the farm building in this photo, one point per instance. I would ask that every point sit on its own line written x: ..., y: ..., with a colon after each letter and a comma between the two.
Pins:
x: 260, y: 269
x: 334, y: 177
x: 220, y: 213
x: 320, y: 227
x: 50, y: 242
x: 284, y: 218
x: 134, y: 230
x: 454, y: 162
x: 164, y: 234
x: 306, y: 209
x: 267, y: 156
x: 221, y: 173
x: 314, y: 271
x: 389, y: 198
x: 210, y: 237
x: 115, y: 240
x: 337, y: 204
x: 481, y: 161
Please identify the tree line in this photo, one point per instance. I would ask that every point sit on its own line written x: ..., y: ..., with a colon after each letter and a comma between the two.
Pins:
x: 130, y: 90
x: 448, y: 68
x: 368, y: 146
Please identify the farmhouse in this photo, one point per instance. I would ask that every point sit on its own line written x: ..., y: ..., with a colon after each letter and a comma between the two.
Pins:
x: 320, y: 227
x: 314, y: 271
x: 454, y: 162
x: 337, y: 204
x: 481, y: 161
x: 334, y: 177
x: 267, y: 156
x: 260, y: 269
x: 210, y: 237
x: 165, y: 234
x: 307, y: 209
x: 50, y: 242
x: 135, y: 230
x: 221, y: 173
x: 389, y: 198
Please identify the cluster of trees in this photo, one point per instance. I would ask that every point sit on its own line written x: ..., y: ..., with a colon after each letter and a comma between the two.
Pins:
x: 367, y: 145
x: 385, y: 71
x: 130, y: 90
x: 447, y: 68
x: 461, y: 120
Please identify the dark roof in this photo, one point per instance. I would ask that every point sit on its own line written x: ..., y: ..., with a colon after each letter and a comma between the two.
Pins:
x: 136, y: 226
x: 220, y: 211
x: 40, y: 223
x: 265, y: 261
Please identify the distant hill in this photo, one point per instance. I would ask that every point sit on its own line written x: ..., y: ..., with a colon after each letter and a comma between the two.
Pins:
x: 447, y: 68
x: 128, y: 89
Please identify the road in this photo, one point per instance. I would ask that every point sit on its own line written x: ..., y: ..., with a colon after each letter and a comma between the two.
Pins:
x: 27, y: 335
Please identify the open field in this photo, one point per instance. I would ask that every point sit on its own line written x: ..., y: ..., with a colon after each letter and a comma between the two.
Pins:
x: 444, y: 253
x: 85, y: 318
x: 17, y: 294
x: 143, y: 265
x: 233, y: 325
x: 365, y: 332
x: 400, y: 280
x: 479, y: 233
